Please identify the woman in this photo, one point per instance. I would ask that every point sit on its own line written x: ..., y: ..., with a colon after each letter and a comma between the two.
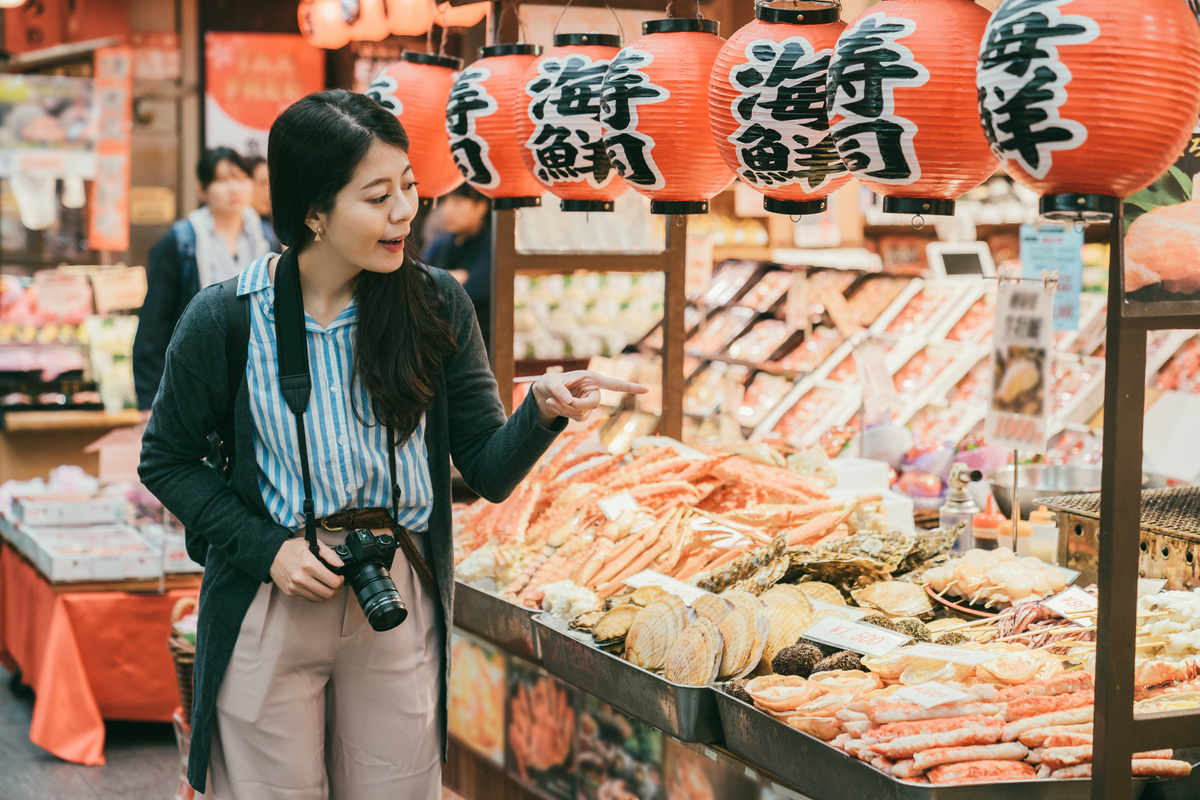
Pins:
x: 295, y: 697
x: 214, y: 242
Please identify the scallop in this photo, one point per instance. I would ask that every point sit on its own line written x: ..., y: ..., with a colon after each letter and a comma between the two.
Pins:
x: 614, y: 625
x: 785, y: 594
x: 696, y: 655
x: 895, y: 598
x: 741, y: 598
x: 825, y: 592
x: 744, y: 634
x: 646, y: 595
x: 787, y: 623
x: 654, y: 631
x: 711, y: 608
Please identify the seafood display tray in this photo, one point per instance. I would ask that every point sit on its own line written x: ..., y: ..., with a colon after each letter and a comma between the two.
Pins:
x: 494, y: 618
x: 823, y: 772
x: 688, y: 713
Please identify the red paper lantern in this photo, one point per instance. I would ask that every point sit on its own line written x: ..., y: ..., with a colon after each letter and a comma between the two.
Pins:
x: 410, y: 17
x: 902, y: 103
x: 322, y: 24
x: 416, y: 89
x: 479, y: 120
x: 1088, y: 101
x: 368, y: 19
x: 558, y: 122
x: 467, y: 16
x: 655, y: 116
x: 767, y: 105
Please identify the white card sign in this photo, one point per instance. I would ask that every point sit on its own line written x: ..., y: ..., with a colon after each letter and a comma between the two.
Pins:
x: 930, y: 694
x: 1150, y: 585
x: 869, y: 640
x: 1074, y: 603
x: 1019, y: 409
x: 952, y: 655
x: 614, y: 506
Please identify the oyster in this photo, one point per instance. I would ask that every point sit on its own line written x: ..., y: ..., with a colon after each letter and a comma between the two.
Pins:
x: 646, y: 595
x: 825, y: 592
x: 711, y: 607
x: 756, y: 570
x: 654, y: 631
x: 787, y: 623
x: 784, y: 594
x: 612, y: 627
x: 930, y: 545
x: 739, y: 599
x: 587, y: 621
x: 895, y: 598
x: 744, y: 633
x: 696, y: 655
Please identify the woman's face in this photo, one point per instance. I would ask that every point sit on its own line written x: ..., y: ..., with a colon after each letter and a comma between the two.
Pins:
x: 229, y: 192
x: 372, y: 214
x: 261, y: 199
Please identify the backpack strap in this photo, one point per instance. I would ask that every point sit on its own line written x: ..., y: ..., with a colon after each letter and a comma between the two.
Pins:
x: 237, y: 343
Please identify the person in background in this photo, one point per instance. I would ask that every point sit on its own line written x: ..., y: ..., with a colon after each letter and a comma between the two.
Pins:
x: 465, y: 249
x: 260, y: 199
x: 214, y: 242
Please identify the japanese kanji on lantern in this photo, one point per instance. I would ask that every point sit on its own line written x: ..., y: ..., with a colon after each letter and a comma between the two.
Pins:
x: 558, y: 122
x: 656, y: 120
x: 902, y: 103
x: 767, y: 105
x: 1088, y: 101
x: 416, y: 89
x: 479, y: 120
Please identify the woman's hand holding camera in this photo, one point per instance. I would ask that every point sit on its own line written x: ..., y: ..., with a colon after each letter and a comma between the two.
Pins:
x: 575, y: 395
x: 298, y: 573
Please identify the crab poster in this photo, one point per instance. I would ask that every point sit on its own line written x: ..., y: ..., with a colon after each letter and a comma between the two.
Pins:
x: 1162, y: 234
x: 1019, y: 410
x: 476, y: 697
x: 542, y: 717
x: 693, y: 776
x: 618, y: 757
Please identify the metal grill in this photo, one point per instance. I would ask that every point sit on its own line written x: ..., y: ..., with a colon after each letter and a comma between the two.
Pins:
x: 1175, y: 512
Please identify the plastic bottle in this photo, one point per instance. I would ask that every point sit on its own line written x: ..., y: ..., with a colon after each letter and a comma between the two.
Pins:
x: 1044, y: 543
x: 985, y: 528
x: 1004, y: 537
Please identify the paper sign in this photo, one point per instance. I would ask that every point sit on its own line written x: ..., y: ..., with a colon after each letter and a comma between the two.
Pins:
x: 120, y: 289
x: 1050, y: 248
x: 1019, y: 410
x: 648, y: 577
x: 612, y: 507
x: 930, y: 694
x: 1071, y: 603
x: 849, y: 611
x: 796, y: 315
x: 869, y: 640
x: 952, y: 655
x: 1150, y: 585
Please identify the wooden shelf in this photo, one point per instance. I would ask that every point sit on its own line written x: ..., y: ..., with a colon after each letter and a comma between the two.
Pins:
x: 22, y: 421
x: 742, y: 252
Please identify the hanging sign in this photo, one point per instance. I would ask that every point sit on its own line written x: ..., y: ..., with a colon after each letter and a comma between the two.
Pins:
x: 1019, y: 409
x: 1058, y: 248
x: 50, y: 127
x: 109, y: 226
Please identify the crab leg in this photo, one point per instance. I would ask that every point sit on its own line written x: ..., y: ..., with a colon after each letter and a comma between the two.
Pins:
x: 817, y: 526
x: 641, y: 562
x: 693, y: 564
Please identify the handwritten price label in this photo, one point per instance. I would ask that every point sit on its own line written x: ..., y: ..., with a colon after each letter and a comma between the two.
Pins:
x: 866, y: 639
x: 1073, y: 603
x: 930, y: 694
x: 952, y: 655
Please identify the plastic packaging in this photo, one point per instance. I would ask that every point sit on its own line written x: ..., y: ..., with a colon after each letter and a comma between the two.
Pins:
x: 1043, y: 543
x: 985, y: 528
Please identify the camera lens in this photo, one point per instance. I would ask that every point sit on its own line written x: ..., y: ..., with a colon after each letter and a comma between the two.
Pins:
x: 377, y: 594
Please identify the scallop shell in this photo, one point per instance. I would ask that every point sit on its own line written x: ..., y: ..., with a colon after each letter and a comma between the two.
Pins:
x: 696, y: 655
x: 744, y: 632
x: 895, y: 598
x: 654, y: 631
x: 614, y: 625
x: 711, y: 608
x: 587, y: 621
x: 785, y: 594
x: 646, y: 595
x: 825, y: 592
x: 741, y: 598
x: 787, y: 624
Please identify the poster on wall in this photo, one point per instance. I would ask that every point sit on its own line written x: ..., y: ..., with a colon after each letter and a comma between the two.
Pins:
x: 249, y: 78
x: 542, y: 720
x: 1162, y: 234
x: 476, y: 697
x: 693, y: 776
x: 109, y: 226
x: 618, y: 756
x: 48, y: 127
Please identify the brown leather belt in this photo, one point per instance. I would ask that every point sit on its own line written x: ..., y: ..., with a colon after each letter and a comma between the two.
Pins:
x: 355, y: 518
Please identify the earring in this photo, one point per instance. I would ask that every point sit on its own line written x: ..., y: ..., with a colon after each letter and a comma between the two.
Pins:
x: 317, y: 238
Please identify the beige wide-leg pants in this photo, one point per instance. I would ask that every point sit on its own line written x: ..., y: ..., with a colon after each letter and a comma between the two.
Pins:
x: 316, y: 704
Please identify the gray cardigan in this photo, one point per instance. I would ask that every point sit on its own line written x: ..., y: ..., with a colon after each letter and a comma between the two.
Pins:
x: 492, y: 454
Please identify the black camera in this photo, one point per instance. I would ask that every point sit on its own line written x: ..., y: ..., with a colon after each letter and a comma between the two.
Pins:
x: 366, y: 560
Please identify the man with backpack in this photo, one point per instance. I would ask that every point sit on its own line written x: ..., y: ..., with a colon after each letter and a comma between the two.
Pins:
x: 213, y: 243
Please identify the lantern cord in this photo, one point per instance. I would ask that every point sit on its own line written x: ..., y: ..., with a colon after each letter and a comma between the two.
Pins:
x: 558, y: 22
x: 795, y: 218
x: 918, y: 222
x: 516, y: 12
x: 442, y: 39
x: 620, y: 27
x: 668, y: 11
x: 429, y: 41
x: 699, y: 13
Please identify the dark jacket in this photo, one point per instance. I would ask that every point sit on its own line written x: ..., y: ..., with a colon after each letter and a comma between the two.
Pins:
x: 473, y: 256
x: 492, y: 454
x: 172, y: 280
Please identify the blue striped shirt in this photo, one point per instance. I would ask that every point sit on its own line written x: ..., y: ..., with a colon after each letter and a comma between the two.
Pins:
x: 348, y: 460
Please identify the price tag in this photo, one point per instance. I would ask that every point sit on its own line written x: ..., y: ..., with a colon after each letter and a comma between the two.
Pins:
x: 1072, y: 603
x: 612, y: 507
x: 648, y: 577
x: 1019, y: 410
x: 952, y: 655
x: 869, y: 640
x: 930, y: 694
x: 852, y: 613
x: 1150, y: 585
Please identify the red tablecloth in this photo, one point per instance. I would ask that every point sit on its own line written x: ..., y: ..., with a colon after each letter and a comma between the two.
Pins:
x: 89, y: 656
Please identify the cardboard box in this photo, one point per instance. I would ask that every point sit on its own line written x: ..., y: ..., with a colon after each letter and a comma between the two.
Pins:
x: 69, y: 509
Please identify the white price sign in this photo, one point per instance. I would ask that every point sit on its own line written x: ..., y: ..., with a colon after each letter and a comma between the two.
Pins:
x: 614, y: 506
x: 1150, y: 585
x: 930, y: 694
x: 869, y: 640
x: 649, y: 577
x: 952, y: 655
x: 1019, y: 409
x: 1074, y: 603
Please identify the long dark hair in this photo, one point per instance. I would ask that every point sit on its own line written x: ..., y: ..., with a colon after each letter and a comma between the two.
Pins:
x: 402, y: 338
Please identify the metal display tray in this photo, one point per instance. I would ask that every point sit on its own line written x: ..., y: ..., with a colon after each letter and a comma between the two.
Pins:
x: 507, y: 624
x: 688, y: 713
x: 823, y: 772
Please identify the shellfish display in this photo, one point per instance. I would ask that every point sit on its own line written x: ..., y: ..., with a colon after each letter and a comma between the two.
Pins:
x: 653, y: 632
x: 695, y: 657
